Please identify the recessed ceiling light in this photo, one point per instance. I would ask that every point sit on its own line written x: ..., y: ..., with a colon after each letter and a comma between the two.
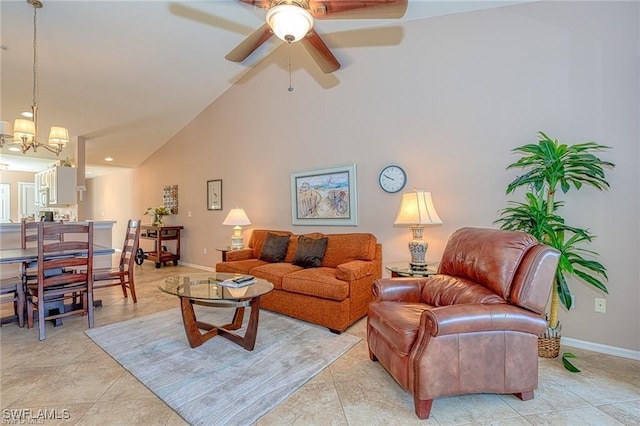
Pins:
x: 27, y: 114
x: 108, y: 159
x: 14, y: 149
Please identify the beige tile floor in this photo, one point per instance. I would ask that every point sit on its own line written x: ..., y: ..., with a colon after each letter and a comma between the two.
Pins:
x: 69, y: 373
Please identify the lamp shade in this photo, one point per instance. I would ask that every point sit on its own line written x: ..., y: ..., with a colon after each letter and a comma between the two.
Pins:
x: 236, y: 217
x: 58, y: 136
x: 23, y: 128
x: 288, y: 22
x: 417, y: 209
x: 5, y: 129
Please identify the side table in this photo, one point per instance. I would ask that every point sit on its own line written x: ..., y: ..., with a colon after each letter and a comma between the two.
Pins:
x: 403, y: 269
x: 224, y: 251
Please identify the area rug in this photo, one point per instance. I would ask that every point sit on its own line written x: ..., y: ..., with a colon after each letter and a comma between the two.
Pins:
x: 220, y: 382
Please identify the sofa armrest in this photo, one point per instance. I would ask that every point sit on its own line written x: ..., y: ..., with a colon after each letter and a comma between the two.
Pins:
x: 354, y: 270
x: 398, y: 289
x: 240, y: 254
x: 472, y: 318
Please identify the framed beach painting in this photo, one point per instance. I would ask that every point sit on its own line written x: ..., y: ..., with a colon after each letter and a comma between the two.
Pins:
x: 325, y: 197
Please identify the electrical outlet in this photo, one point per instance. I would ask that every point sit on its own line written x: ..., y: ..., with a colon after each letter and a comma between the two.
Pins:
x: 601, y: 305
x: 189, y: 213
x: 204, y: 250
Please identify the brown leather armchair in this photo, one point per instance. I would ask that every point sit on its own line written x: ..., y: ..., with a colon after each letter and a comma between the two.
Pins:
x: 473, y: 327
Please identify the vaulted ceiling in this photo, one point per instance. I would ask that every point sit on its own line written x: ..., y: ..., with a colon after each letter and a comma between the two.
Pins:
x: 128, y: 75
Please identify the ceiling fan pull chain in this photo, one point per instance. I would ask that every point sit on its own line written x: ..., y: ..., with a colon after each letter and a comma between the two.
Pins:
x: 289, y: 61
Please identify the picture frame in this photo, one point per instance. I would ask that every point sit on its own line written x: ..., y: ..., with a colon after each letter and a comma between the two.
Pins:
x: 325, y: 197
x: 214, y: 194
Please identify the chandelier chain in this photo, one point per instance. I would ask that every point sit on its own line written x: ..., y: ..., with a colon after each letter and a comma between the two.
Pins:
x: 35, y: 56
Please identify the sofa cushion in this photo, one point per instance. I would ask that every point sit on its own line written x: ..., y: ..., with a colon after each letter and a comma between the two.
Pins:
x: 310, y: 252
x: 343, y: 248
x: 274, y: 272
x: 258, y: 237
x: 293, y: 244
x: 319, y: 282
x: 239, y: 266
x: 274, y: 248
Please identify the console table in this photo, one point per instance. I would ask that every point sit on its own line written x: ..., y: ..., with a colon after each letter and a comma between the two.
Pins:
x: 159, y: 235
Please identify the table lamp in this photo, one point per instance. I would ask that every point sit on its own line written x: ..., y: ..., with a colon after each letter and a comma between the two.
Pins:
x: 236, y: 218
x: 417, y: 211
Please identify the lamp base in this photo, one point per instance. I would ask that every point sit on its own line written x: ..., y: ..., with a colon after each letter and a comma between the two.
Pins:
x: 237, y: 240
x: 418, y: 249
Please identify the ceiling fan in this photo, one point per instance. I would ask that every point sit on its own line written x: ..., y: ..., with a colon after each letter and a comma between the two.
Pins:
x: 292, y: 21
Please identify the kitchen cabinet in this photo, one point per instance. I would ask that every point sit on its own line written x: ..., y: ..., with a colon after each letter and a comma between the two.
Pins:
x: 56, y: 187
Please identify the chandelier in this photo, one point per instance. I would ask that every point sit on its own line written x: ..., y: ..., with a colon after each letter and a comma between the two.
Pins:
x: 25, y: 132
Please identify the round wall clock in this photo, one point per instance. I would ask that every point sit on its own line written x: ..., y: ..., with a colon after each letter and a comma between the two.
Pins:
x: 392, y: 178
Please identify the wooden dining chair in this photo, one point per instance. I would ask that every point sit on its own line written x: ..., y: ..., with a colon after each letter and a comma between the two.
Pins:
x: 28, y: 272
x: 62, y: 287
x: 11, y: 291
x: 123, y: 274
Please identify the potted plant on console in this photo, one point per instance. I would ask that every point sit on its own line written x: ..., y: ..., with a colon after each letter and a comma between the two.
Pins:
x: 157, y: 213
x: 550, y: 166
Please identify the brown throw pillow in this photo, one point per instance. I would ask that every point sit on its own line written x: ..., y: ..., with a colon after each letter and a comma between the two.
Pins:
x: 274, y: 248
x: 310, y: 251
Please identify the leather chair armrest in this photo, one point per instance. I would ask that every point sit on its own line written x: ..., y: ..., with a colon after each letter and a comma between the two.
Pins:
x: 240, y: 254
x: 470, y: 318
x: 398, y: 289
x: 354, y: 270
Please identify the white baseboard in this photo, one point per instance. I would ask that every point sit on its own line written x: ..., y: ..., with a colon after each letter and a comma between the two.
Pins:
x: 604, y: 349
x: 204, y: 268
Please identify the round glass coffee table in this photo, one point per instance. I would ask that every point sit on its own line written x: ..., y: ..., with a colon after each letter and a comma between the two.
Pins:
x: 206, y: 289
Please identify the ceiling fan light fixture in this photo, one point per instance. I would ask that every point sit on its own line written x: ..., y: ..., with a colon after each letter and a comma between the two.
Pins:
x: 289, y: 22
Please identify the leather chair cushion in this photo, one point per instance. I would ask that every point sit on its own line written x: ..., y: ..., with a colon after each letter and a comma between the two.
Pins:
x: 487, y: 256
x: 444, y: 290
x: 397, y: 322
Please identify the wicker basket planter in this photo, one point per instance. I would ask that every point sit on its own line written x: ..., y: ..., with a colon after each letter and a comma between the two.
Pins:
x: 548, y: 347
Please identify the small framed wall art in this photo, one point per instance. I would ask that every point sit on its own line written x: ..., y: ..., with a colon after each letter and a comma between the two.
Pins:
x: 214, y: 194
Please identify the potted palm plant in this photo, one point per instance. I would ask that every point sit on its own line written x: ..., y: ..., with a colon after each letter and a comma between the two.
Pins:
x: 550, y: 166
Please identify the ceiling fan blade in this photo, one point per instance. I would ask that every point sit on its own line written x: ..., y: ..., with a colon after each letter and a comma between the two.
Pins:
x: 320, y: 52
x: 250, y: 44
x: 264, y: 4
x: 357, y: 9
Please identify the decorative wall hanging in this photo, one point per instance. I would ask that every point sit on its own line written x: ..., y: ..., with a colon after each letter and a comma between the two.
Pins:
x: 170, y: 198
x: 325, y: 197
x: 214, y: 194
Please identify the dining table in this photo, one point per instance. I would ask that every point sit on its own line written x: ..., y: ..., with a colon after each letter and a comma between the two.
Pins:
x: 30, y: 254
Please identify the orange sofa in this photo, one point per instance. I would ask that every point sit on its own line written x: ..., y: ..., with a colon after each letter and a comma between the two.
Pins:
x: 334, y: 295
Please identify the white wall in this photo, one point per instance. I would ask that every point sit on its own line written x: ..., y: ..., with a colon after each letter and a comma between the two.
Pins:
x: 448, y: 104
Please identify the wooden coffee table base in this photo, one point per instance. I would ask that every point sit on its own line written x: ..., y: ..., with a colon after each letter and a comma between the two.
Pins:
x: 196, y: 338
